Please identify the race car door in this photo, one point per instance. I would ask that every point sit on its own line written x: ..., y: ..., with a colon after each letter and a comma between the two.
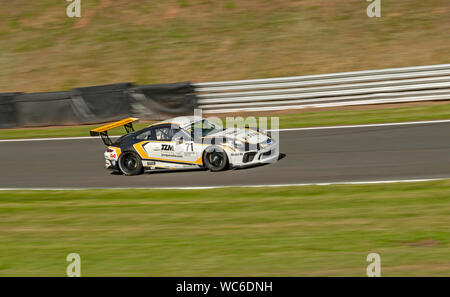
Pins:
x: 168, y: 143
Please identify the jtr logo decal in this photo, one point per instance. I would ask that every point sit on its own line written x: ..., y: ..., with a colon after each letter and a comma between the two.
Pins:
x: 166, y: 147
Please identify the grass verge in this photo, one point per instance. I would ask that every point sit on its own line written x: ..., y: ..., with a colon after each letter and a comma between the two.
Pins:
x: 303, y: 119
x: 152, y: 41
x: 283, y: 231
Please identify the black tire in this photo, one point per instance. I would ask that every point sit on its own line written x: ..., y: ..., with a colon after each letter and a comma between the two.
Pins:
x: 130, y: 163
x: 215, y: 159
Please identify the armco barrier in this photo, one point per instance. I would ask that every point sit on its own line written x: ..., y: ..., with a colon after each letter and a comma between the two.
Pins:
x: 393, y: 85
x: 111, y: 102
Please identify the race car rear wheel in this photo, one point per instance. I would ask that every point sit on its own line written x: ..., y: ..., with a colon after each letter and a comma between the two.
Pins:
x: 130, y: 164
x: 215, y: 159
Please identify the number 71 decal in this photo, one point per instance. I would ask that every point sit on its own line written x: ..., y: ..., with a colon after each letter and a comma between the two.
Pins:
x: 189, y: 146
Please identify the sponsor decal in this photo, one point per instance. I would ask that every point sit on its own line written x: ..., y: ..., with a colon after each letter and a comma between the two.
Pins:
x: 172, y: 155
x: 167, y: 147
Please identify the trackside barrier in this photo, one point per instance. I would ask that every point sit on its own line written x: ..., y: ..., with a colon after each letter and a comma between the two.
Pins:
x: 392, y: 85
x: 96, y: 104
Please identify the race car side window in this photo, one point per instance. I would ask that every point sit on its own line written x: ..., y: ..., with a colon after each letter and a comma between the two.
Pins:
x: 163, y: 133
x: 181, y: 134
x: 145, y: 135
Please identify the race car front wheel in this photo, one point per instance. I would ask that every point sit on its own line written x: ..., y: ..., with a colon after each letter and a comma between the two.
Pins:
x: 215, y: 159
x: 130, y: 164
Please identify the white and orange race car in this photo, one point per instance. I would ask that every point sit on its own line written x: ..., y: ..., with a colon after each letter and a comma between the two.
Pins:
x: 185, y: 142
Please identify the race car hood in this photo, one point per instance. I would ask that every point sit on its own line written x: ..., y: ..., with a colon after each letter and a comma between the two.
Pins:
x: 245, y: 135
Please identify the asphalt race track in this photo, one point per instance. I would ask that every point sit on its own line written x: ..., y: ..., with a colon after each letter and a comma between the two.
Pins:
x: 418, y: 151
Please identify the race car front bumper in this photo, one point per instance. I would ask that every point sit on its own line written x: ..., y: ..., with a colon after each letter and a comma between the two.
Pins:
x: 254, y: 157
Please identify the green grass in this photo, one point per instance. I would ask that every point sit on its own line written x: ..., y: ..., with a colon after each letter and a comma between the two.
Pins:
x: 363, y: 116
x: 73, y: 131
x: 303, y: 119
x: 152, y: 41
x: 283, y: 231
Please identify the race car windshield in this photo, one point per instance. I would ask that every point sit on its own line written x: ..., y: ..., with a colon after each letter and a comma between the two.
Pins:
x: 204, y: 128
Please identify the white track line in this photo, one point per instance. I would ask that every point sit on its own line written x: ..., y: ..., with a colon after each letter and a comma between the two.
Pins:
x: 55, y: 138
x: 281, y: 130
x: 231, y: 186
x: 366, y: 125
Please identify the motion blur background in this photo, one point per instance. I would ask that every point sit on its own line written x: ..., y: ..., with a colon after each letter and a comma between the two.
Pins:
x: 311, y: 230
x: 205, y: 40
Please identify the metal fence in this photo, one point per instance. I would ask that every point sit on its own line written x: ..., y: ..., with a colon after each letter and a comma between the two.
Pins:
x: 392, y: 85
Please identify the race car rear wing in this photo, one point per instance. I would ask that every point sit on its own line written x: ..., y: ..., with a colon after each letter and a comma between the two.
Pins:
x: 103, y: 130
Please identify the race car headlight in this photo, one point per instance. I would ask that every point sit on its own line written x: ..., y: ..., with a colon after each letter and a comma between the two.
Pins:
x: 233, y: 143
